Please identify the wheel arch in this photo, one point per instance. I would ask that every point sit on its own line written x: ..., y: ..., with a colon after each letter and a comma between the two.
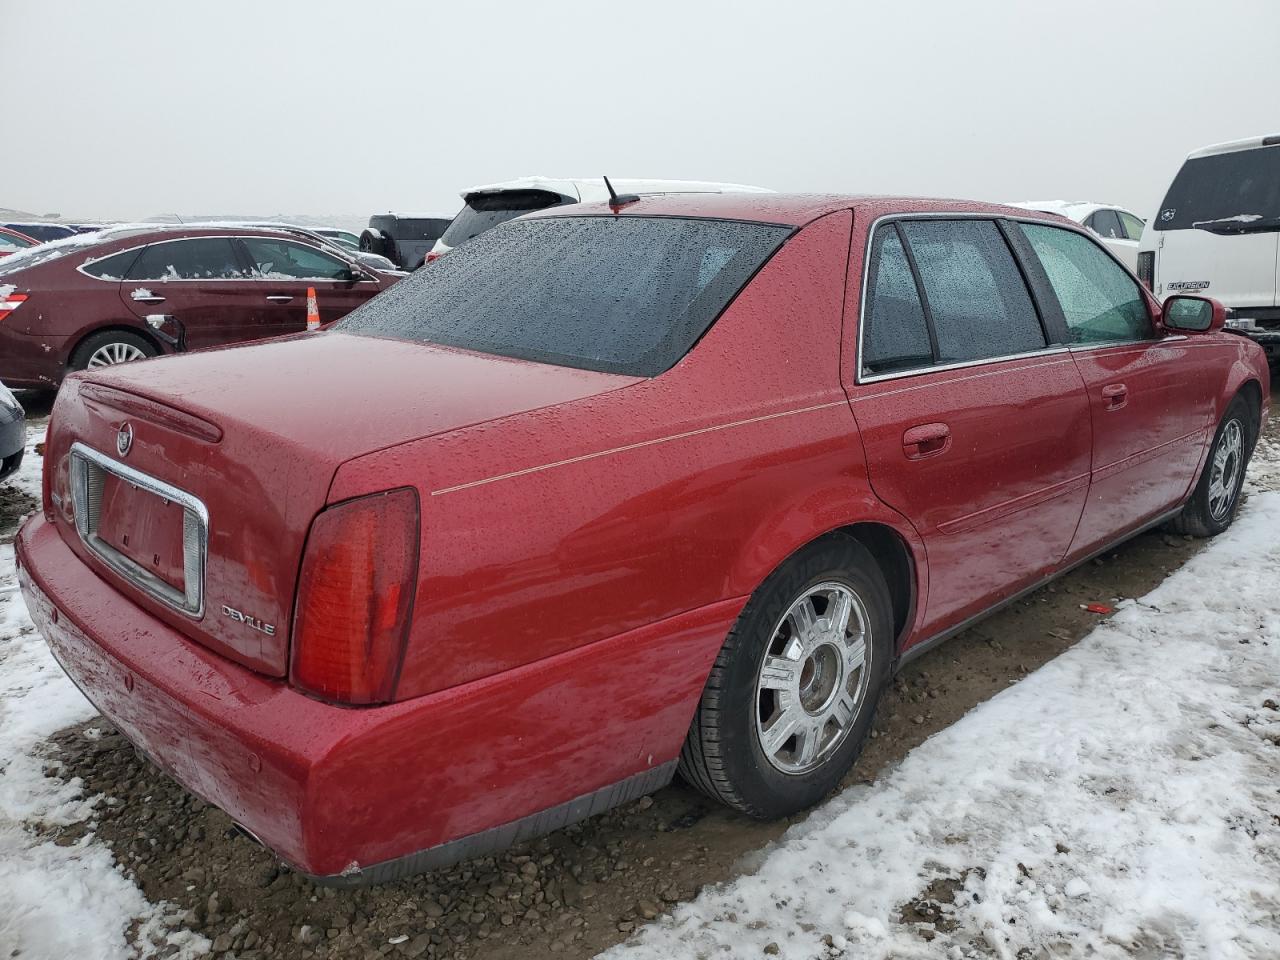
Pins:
x: 887, y: 535
x: 894, y: 557
x: 1251, y: 390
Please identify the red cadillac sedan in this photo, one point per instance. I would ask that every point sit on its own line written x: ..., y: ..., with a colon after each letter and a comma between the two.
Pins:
x: 126, y: 293
x: 674, y: 484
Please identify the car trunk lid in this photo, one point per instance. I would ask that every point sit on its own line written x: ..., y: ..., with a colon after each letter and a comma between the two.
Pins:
x: 202, y: 513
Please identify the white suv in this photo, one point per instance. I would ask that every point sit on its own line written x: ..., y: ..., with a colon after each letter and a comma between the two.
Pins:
x: 494, y: 203
x: 1218, y: 234
x: 1118, y: 228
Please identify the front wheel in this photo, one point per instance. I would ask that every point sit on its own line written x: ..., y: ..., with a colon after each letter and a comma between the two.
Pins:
x: 791, y: 697
x: 1213, y: 503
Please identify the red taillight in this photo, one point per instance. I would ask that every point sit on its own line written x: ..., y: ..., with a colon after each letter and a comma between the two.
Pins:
x: 355, y: 599
x: 10, y: 303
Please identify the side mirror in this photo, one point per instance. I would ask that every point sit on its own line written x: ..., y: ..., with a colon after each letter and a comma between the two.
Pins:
x: 1193, y: 314
x: 353, y: 275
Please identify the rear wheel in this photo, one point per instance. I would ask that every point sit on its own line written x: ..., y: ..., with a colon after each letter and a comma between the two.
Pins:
x: 790, y: 699
x: 110, y: 347
x: 1213, y: 504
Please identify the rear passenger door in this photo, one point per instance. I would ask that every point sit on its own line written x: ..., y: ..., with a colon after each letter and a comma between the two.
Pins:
x: 975, y: 426
x: 200, y: 281
x: 286, y: 269
x: 1150, y: 397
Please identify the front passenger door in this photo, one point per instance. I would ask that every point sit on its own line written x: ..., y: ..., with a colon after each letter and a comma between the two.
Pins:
x: 285, y: 269
x: 1150, y: 402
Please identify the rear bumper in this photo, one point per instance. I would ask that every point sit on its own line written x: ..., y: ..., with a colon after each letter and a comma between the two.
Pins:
x: 366, y: 795
x: 31, y: 363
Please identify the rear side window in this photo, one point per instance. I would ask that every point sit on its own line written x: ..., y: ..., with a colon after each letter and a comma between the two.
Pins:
x: 484, y: 211
x: 975, y: 295
x: 285, y: 260
x: 626, y: 295
x: 1100, y: 302
x: 1132, y: 225
x: 198, y: 258
x: 114, y: 267
x: 1105, y: 223
x: 896, y: 335
x: 1241, y: 187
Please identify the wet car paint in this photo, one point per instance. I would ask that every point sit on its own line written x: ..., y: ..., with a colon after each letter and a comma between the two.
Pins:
x: 587, y: 539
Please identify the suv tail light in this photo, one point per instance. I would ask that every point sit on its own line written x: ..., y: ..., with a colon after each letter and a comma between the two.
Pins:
x: 355, y: 599
x: 11, y: 302
x: 1147, y: 269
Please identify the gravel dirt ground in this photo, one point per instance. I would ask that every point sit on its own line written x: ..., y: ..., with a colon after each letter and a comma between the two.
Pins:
x: 579, y: 890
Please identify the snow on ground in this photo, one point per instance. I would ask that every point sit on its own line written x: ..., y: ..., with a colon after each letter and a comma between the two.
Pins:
x: 55, y: 901
x: 1122, y: 801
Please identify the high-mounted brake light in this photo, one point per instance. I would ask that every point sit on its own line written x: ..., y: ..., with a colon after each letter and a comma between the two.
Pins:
x: 10, y: 303
x: 355, y: 599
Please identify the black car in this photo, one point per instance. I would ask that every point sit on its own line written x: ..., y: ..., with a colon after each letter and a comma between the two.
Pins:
x: 13, y: 432
x: 403, y: 239
x: 44, y: 232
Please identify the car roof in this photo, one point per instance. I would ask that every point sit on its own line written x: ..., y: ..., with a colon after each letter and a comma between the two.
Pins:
x: 1233, y: 146
x: 1076, y: 210
x: 789, y: 209
x: 122, y: 236
x: 593, y: 188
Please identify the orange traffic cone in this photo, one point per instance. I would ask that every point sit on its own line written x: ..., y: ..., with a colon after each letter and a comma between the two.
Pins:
x: 313, y: 310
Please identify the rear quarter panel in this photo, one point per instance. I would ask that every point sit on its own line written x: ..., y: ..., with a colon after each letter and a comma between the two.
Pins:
x: 570, y: 524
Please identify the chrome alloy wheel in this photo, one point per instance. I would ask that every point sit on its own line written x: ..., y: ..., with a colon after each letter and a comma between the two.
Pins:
x: 112, y: 353
x: 813, y: 678
x: 1228, y: 461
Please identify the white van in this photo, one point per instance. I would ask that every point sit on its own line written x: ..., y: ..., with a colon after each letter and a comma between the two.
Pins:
x: 1218, y: 234
x: 494, y: 203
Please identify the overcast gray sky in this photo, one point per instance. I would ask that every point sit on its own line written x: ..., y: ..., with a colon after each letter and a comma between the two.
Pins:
x: 129, y: 109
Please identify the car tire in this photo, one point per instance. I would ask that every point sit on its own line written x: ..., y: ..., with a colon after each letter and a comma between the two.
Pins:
x: 97, y: 350
x: 1213, y: 503
x: 375, y: 241
x: 734, y: 751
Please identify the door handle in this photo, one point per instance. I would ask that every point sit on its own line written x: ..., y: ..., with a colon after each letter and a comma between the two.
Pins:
x: 1115, y: 395
x: 926, y: 440
x: 149, y: 298
x: 278, y: 298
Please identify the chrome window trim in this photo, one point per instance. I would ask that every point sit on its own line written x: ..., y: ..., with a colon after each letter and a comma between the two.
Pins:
x: 229, y: 236
x: 195, y: 534
x: 961, y: 364
x: 1049, y: 349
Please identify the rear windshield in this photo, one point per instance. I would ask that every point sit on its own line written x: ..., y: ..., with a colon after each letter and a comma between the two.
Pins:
x: 1242, y: 186
x: 483, y: 211
x: 626, y: 295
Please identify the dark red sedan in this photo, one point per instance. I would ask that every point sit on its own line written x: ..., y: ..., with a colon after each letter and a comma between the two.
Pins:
x: 122, y: 294
x: 675, y: 484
